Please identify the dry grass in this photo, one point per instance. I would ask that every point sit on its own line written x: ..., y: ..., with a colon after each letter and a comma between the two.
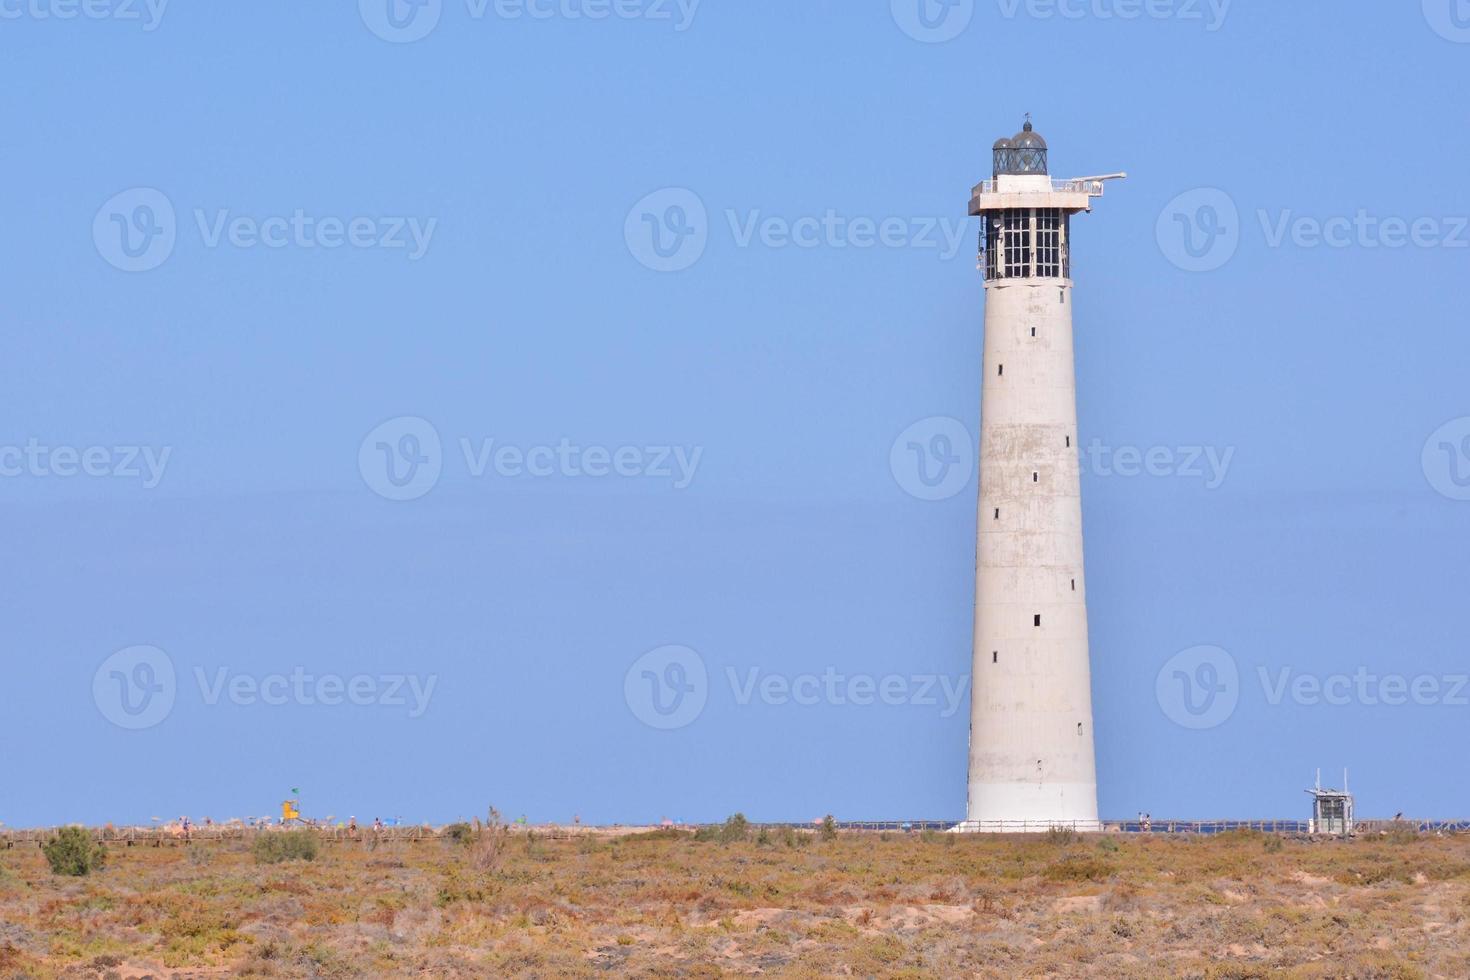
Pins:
x: 780, y: 904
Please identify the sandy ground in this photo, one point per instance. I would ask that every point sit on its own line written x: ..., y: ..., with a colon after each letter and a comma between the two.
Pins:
x: 670, y: 904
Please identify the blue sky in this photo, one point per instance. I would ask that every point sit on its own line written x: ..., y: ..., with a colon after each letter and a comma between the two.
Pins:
x: 613, y: 454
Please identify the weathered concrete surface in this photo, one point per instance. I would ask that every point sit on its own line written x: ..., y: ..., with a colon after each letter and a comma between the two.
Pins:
x: 1031, y: 739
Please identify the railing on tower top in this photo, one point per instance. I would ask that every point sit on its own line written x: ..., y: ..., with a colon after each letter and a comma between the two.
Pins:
x: 1093, y: 188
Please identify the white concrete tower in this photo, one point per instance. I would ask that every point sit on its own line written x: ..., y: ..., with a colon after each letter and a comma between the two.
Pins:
x: 1031, y: 746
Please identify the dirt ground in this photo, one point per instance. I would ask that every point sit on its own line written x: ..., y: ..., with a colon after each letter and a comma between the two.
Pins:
x: 779, y: 903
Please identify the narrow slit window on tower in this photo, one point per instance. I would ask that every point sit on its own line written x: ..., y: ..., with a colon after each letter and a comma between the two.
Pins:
x: 1033, y: 331
x: 1063, y: 293
x: 997, y: 513
x: 995, y: 657
x: 1000, y: 370
x: 1069, y: 442
x: 1074, y: 585
x: 1038, y: 619
x: 1035, y: 477
x: 1079, y: 729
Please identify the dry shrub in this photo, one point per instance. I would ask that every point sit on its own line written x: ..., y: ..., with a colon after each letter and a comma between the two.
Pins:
x: 1078, y: 869
x: 275, y: 846
x: 1061, y: 836
x: 989, y: 902
x: 490, y: 843
x: 1401, y: 832
x: 1121, y: 898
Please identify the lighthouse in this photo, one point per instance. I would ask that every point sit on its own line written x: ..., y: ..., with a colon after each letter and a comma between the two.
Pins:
x: 1032, y: 765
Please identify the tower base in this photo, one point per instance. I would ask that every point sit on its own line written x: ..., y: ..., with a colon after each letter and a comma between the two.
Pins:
x: 1026, y: 826
x: 1027, y: 807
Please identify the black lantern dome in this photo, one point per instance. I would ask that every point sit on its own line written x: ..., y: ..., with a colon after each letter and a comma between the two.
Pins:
x: 1024, y: 153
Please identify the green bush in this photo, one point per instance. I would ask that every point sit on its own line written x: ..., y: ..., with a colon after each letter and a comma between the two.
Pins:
x: 829, y: 827
x: 73, y: 852
x: 459, y: 833
x: 273, y: 847
x: 736, y: 829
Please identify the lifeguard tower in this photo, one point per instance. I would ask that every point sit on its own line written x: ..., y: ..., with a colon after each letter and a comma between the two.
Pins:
x: 1332, y: 809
